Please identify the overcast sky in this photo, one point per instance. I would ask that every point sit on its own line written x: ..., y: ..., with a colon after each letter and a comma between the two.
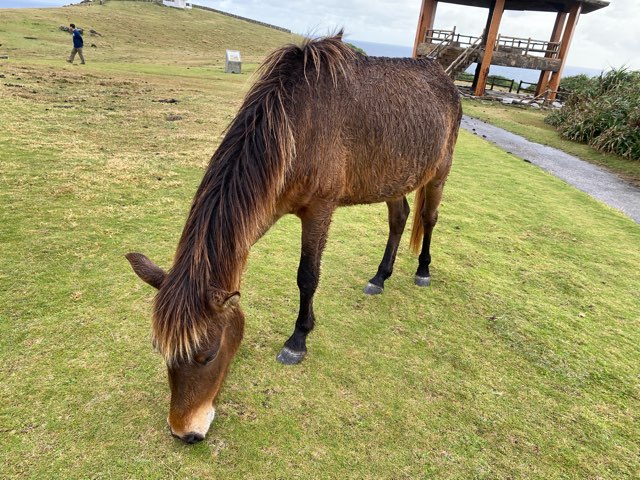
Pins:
x: 605, y: 38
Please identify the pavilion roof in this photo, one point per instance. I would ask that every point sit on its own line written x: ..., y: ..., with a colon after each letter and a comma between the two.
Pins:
x: 536, y: 5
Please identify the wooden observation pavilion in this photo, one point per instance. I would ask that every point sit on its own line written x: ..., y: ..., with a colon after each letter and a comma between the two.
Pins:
x: 456, y: 52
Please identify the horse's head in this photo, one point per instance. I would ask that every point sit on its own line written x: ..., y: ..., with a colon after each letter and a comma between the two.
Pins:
x: 198, y: 345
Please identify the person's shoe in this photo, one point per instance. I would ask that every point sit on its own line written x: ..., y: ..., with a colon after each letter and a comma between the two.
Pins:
x: 69, y: 61
x: 83, y: 63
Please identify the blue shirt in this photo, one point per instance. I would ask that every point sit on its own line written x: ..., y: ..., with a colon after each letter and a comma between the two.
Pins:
x: 77, y: 39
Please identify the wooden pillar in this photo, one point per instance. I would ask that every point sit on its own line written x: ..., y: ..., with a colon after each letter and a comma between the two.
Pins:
x: 425, y: 22
x: 555, y: 37
x: 569, y: 29
x: 492, y: 34
x: 485, y: 32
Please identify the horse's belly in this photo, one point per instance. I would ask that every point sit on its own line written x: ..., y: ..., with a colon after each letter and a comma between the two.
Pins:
x: 383, y: 181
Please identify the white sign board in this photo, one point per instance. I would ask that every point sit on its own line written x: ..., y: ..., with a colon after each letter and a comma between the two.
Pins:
x: 233, y: 56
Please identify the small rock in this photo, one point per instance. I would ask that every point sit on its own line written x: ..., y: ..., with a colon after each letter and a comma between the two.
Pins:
x: 556, y: 105
x: 93, y: 45
x: 64, y: 28
x: 535, y: 105
x: 507, y: 101
x: 173, y: 118
x: 93, y: 32
x: 167, y: 100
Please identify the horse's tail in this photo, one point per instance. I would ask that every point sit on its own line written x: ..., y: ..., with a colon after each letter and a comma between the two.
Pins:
x: 417, y: 229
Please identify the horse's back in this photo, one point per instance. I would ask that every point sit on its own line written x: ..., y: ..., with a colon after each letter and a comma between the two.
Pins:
x: 402, y: 120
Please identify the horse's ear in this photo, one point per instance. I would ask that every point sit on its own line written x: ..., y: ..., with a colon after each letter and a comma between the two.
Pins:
x: 339, y: 34
x: 222, y: 300
x: 146, y: 269
x: 233, y: 300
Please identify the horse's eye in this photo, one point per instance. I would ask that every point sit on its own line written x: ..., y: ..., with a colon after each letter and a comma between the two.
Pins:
x: 206, y: 357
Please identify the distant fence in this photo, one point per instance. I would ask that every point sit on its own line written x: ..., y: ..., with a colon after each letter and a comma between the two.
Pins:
x: 275, y: 27
x: 500, y: 82
x: 526, y: 86
x: 491, y: 81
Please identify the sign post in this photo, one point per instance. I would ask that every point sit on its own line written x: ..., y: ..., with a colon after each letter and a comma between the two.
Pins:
x: 233, y: 62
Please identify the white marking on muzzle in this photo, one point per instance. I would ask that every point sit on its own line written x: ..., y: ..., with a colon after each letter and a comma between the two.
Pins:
x: 200, y: 423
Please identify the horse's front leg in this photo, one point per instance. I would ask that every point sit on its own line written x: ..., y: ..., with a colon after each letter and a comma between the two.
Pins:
x: 315, y: 227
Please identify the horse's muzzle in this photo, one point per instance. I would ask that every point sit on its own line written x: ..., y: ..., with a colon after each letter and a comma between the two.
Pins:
x: 190, y: 438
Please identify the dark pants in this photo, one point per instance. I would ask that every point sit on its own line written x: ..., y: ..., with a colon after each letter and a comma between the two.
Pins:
x: 73, y: 54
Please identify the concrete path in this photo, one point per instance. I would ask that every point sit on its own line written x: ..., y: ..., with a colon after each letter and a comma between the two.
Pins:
x: 589, y: 178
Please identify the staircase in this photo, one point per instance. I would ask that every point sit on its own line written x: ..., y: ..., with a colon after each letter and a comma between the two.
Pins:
x: 452, y: 55
x: 466, y: 58
x: 443, y: 45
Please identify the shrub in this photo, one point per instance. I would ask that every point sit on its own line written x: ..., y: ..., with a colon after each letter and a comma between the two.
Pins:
x: 602, y: 111
x: 465, y: 77
x: 576, y: 83
x: 357, y: 49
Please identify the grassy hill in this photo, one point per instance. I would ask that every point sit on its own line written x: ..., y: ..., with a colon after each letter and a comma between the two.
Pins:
x: 521, y: 360
x: 135, y: 32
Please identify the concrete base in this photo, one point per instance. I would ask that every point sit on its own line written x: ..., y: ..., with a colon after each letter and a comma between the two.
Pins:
x: 233, y: 67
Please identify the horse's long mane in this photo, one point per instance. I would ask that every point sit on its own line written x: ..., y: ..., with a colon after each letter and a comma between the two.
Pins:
x: 238, y: 193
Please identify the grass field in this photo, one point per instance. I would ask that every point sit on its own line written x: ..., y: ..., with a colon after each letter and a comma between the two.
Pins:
x: 530, y: 124
x: 522, y: 360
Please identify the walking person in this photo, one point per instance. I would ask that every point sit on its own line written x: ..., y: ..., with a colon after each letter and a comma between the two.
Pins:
x: 78, y: 43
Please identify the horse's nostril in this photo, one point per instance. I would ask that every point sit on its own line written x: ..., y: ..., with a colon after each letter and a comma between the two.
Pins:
x: 193, y: 438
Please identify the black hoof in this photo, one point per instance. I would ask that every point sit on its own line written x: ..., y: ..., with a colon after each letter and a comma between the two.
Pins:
x: 372, y: 289
x: 423, y: 281
x: 289, y: 357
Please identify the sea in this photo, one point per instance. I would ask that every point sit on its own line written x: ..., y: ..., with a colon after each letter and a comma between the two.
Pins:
x: 517, y: 74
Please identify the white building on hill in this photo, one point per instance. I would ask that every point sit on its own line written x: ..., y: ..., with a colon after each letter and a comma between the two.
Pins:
x: 177, y: 3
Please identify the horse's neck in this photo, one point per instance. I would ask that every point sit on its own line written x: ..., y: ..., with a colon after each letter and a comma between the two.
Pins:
x: 223, y: 265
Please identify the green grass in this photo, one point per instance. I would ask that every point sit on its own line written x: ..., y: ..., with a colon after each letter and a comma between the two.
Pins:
x: 530, y: 124
x: 520, y: 361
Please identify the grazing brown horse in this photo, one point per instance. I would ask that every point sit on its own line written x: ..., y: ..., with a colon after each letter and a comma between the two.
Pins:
x: 323, y: 127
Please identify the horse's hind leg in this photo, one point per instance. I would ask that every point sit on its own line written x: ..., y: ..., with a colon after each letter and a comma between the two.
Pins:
x: 398, y: 213
x: 432, y: 196
x: 315, y: 228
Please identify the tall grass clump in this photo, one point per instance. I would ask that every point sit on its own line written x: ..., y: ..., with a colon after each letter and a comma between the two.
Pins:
x: 602, y: 111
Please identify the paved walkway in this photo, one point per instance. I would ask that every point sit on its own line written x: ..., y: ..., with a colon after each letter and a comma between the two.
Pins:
x: 589, y: 178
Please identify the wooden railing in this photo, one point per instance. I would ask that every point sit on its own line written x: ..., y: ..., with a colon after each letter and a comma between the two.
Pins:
x: 442, y: 39
x: 524, y: 46
x: 438, y: 36
x: 465, y: 57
